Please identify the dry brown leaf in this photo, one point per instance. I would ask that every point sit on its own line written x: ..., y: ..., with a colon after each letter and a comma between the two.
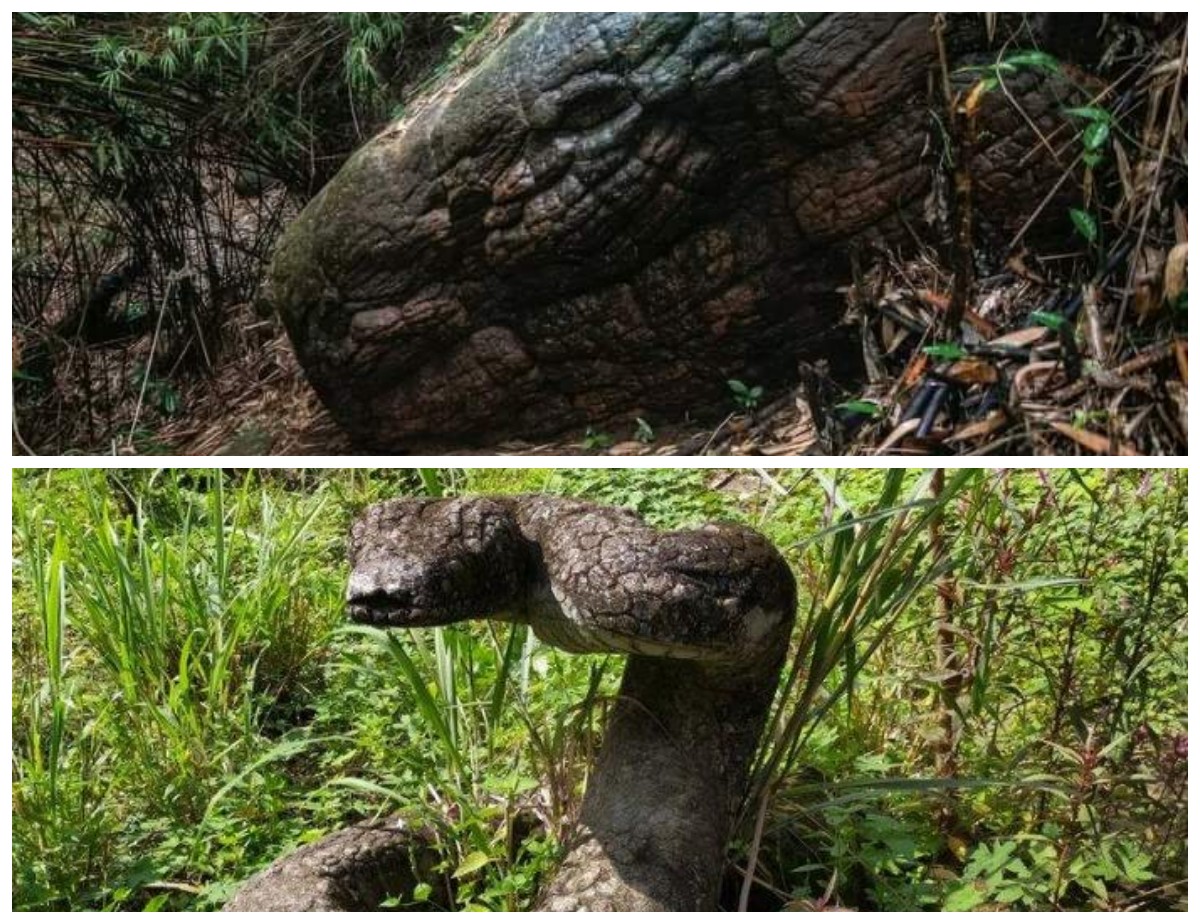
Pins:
x: 1179, y: 397
x: 898, y: 436
x: 1147, y: 285
x: 941, y: 304
x: 1181, y: 234
x: 1020, y: 339
x: 993, y: 423
x: 893, y: 335
x: 1016, y: 264
x: 974, y: 372
x: 1093, y: 327
x: 1175, y: 281
x: 978, y: 92
x: 915, y: 371
x: 1151, y: 356
x: 1093, y: 442
x: 1181, y: 358
x: 982, y: 325
x: 1125, y: 172
x: 934, y: 300
x: 1032, y: 377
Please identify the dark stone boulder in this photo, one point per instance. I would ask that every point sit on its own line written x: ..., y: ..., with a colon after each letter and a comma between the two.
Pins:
x: 615, y: 213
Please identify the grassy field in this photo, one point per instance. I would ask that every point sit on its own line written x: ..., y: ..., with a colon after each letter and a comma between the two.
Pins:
x: 987, y: 704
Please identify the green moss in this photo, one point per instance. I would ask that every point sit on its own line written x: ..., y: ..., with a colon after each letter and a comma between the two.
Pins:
x: 785, y: 29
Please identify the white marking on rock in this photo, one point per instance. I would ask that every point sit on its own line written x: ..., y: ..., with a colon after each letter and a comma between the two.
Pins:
x: 759, y: 624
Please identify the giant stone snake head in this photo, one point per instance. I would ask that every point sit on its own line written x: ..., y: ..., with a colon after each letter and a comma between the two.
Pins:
x: 613, y: 214
x: 432, y: 563
x: 587, y: 578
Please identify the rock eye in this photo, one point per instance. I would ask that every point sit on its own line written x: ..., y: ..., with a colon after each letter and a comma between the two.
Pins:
x: 593, y: 103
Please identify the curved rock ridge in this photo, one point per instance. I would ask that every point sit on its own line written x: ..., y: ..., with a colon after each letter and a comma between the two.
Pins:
x: 615, y: 213
x: 355, y: 869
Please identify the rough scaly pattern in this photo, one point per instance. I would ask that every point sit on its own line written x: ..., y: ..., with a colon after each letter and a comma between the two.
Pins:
x: 615, y: 213
x: 355, y: 869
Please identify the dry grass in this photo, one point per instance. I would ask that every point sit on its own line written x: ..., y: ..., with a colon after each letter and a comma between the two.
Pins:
x: 257, y: 403
x: 1082, y: 352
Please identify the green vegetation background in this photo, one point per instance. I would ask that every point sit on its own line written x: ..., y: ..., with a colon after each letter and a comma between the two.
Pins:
x: 187, y: 703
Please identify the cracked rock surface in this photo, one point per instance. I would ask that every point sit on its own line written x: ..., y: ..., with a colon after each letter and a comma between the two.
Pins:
x: 615, y: 213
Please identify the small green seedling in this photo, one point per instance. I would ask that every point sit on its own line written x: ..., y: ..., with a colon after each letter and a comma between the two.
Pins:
x: 595, y: 441
x: 947, y: 352
x: 1097, y: 132
x: 1087, y: 226
x: 746, y: 397
x: 994, y: 74
x: 861, y: 408
x: 1056, y: 322
x: 1084, y: 419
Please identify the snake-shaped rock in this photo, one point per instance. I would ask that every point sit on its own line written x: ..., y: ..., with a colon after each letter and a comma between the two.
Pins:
x: 704, y: 616
x: 614, y: 214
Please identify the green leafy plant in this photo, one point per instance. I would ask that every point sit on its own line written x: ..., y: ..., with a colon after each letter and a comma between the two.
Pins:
x: 184, y: 710
x: 1056, y: 322
x: 947, y: 352
x: 1028, y: 873
x: 1097, y: 132
x: 862, y: 408
x: 197, y: 622
x: 1086, y: 225
x: 1013, y: 63
x: 870, y: 565
x: 596, y: 440
x: 747, y: 397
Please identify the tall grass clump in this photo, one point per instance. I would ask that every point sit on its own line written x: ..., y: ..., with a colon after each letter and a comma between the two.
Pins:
x: 170, y: 639
x: 865, y: 571
x: 969, y: 662
x: 61, y: 825
x: 190, y: 625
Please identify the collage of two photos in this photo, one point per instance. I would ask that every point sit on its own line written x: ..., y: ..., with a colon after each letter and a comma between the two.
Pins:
x: 665, y: 462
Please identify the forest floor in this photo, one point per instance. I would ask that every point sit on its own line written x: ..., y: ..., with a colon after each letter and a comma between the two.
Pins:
x: 1019, y: 398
